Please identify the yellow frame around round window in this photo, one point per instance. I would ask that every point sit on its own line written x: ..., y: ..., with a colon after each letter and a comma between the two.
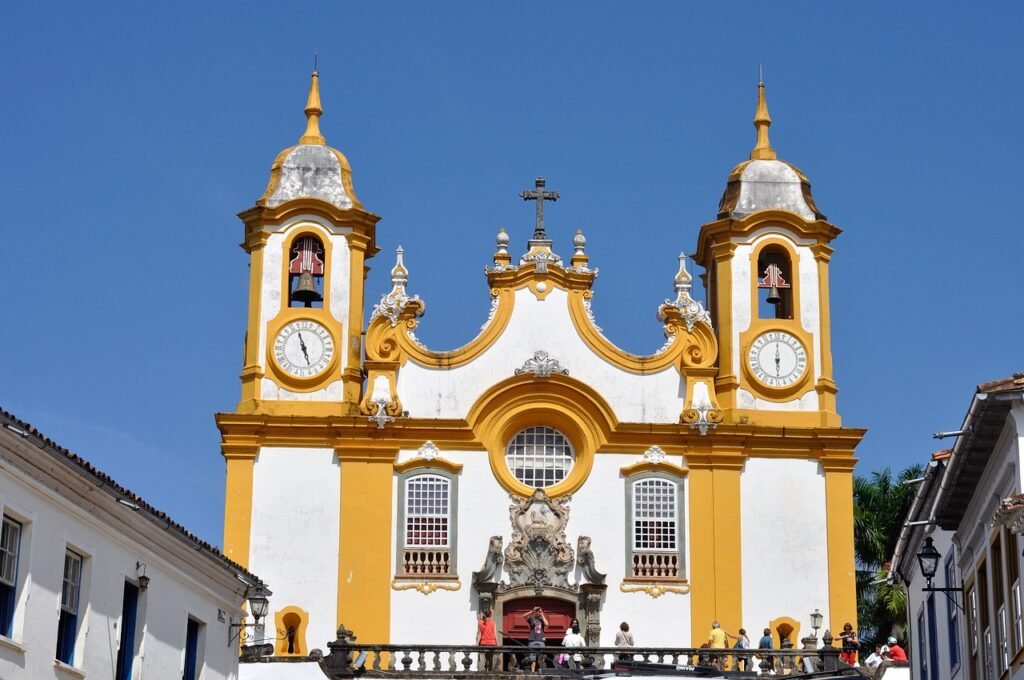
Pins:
x: 558, y: 402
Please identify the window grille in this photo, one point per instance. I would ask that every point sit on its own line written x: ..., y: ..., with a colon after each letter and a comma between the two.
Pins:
x: 539, y: 457
x: 654, y: 515
x: 427, y: 511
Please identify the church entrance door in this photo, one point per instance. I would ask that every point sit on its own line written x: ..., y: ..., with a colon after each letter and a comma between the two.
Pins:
x: 559, y: 613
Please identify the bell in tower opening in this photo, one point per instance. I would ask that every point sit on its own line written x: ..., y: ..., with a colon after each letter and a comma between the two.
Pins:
x: 775, y: 299
x: 306, y: 273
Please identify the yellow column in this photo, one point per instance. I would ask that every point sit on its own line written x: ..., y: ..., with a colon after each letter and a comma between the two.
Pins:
x: 716, y: 586
x: 727, y: 382
x: 842, y: 581
x: 238, y: 501
x: 352, y: 376
x: 365, y: 545
x: 826, y: 385
x: 251, y: 372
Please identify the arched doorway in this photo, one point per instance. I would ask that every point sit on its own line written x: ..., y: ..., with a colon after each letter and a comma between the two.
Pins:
x: 558, y: 612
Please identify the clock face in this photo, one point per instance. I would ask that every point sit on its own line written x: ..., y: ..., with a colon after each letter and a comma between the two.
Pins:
x: 303, y: 348
x: 777, y: 359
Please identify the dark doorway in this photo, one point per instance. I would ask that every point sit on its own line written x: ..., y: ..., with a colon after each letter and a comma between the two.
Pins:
x: 515, y: 632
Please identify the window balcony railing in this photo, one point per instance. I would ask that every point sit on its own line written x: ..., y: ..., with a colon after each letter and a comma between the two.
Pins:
x: 426, y: 563
x: 655, y: 565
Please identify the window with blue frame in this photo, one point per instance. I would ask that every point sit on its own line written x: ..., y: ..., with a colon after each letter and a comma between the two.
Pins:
x: 193, y: 632
x: 952, y: 613
x: 70, y: 593
x: 10, y: 546
x: 129, y: 616
x: 922, y: 645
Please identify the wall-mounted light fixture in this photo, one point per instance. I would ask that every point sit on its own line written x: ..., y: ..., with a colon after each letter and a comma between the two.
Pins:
x: 929, y: 559
x: 816, y: 619
x: 140, y: 573
x: 259, y: 604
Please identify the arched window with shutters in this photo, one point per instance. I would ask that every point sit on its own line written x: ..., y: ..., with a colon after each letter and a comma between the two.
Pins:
x: 654, y: 508
x: 427, y: 526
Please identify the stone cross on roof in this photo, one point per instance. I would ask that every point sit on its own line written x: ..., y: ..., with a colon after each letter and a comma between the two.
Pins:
x: 540, y: 196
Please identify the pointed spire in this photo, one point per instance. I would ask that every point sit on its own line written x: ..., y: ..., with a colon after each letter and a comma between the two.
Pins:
x: 683, y: 281
x: 399, y: 274
x: 313, y: 113
x: 763, y: 150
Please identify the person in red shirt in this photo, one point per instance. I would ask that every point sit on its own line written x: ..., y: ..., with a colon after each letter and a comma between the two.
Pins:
x: 486, y: 636
x: 894, y: 652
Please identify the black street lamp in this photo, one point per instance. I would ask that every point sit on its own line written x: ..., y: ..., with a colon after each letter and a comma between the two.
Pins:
x: 929, y: 559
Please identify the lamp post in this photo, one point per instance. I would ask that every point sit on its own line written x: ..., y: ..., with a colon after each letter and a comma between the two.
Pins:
x: 259, y: 604
x: 929, y: 559
x: 816, y: 619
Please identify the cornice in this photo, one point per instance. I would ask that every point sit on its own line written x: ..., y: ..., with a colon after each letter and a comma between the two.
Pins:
x: 719, y: 231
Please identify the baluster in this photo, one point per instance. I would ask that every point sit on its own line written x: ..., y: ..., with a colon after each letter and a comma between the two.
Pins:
x: 406, y: 660
x: 513, y: 661
x: 376, y: 660
x: 467, y: 660
x: 451, y: 662
x: 437, y: 661
x: 421, y: 658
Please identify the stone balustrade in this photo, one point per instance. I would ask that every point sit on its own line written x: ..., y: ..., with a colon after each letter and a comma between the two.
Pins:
x: 347, y: 658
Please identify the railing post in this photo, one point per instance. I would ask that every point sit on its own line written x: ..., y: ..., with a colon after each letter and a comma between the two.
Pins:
x: 829, y: 654
x: 338, y: 662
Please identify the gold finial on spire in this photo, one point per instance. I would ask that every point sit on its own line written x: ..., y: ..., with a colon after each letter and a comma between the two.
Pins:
x: 313, y: 113
x: 763, y: 150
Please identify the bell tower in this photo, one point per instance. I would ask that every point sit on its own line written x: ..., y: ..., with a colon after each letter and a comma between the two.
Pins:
x: 766, y: 260
x: 308, y: 238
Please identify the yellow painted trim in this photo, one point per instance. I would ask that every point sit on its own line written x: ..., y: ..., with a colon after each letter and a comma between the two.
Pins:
x: 238, y: 503
x: 715, y: 541
x: 655, y: 590
x: 720, y: 231
x: 648, y: 466
x: 777, y: 639
x: 385, y: 342
x: 365, y: 546
x: 426, y: 587
x: 417, y: 463
x: 301, y: 648
x: 842, y: 582
x: 558, y: 401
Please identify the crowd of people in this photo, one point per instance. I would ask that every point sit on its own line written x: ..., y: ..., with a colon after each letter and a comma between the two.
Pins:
x: 746, y: 658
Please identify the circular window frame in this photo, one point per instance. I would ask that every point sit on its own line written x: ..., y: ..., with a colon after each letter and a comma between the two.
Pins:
x: 544, y: 431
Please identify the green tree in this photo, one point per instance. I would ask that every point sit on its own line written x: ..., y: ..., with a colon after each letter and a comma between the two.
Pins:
x: 880, y: 506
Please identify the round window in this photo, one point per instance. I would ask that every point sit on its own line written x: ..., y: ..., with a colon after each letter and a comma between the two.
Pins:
x: 539, y: 457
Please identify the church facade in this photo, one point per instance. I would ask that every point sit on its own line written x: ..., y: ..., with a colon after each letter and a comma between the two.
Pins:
x: 400, y: 490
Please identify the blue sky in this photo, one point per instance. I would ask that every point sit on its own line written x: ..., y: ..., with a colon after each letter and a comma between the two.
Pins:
x: 133, y: 134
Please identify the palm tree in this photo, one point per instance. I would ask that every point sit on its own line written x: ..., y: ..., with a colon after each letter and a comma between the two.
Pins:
x: 880, y: 506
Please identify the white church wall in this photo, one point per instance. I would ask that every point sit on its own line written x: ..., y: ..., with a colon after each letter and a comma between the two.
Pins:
x: 51, y: 524
x: 597, y: 510
x: 784, y: 541
x: 450, y: 392
x: 295, y: 529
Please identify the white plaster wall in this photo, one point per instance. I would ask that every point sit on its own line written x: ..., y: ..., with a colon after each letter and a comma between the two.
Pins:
x: 540, y: 325
x: 295, y: 530
x: 784, y: 549
x: 810, y: 303
x: 742, y: 314
x: 51, y: 524
x: 597, y: 510
x: 280, y: 671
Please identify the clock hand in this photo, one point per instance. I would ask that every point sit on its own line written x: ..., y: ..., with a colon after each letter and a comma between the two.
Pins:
x: 778, y: 360
x: 306, y: 354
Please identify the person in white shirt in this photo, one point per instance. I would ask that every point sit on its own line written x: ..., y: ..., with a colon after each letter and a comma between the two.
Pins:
x: 573, y: 639
x: 874, y: 660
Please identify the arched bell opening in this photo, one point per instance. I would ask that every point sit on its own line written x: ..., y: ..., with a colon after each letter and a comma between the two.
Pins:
x: 774, y: 283
x: 306, y: 272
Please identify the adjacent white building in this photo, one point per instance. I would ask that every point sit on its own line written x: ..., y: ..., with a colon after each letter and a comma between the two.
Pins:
x: 96, y: 583
x: 971, y: 507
